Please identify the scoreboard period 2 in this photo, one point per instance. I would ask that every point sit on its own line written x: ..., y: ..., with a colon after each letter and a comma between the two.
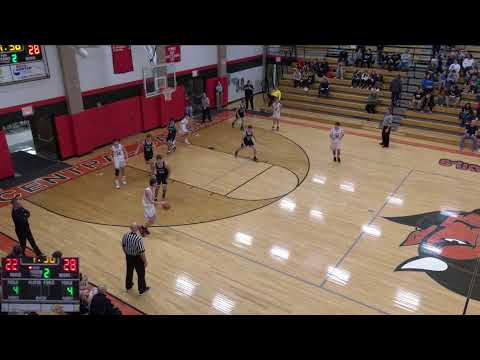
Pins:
x: 38, y: 284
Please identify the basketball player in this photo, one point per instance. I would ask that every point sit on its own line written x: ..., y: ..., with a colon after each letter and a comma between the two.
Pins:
x: 119, y: 156
x: 336, y: 135
x: 240, y: 114
x: 147, y: 151
x: 162, y: 172
x: 149, y: 210
x: 248, y: 142
x: 277, y: 107
x: 184, y: 129
x: 172, y: 134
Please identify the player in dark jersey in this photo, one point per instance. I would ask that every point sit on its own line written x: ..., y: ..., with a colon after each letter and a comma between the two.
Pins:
x: 248, y: 141
x: 148, y: 151
x: 172, y: 134
x: 162, y: 172
x: 240, y: 115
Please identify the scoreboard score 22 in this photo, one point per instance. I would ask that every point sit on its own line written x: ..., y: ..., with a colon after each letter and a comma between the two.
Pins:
x: 22, y: 63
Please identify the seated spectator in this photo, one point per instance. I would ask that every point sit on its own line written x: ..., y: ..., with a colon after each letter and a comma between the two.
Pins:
x: 356, y: 78
x: 428, y: 102
x: 455, y: 66
x: 378, y: 82
x: 467, y: 63
x: 310, y: 77
x: 452, y: 79
x: 372, y: 80
x: 442, y: 80
x: 364, y: 80
x: 297, y: 78
x: 380, y: 58
x: 372, y: 101
x: 325, y: 67
x: 471, y: 134
x: 417, y: 99
x: 358, y: 57
x: 466, y: 114
x: 427, y: 84
x: 469, y: 87
x: 367, y: 58
x: 324, y: 87
x: 394, y: 62
x: 441, y: 97
x: 471, y: 74
x: 477, y: 85
x: 101, y: 305
x: 453, y: 95
x: 304, y: 81
x: 405, y: 60
x: 340, y: 69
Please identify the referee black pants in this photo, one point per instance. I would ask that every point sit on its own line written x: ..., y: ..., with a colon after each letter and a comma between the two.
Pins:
x: 205, y: 114
x: 135, y: 262
x: 26, y: 234
x: 249, y: 99
x: 386, y: 136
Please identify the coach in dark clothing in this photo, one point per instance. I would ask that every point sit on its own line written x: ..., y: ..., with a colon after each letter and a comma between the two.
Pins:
x: 132, y: 244
x: 248, y: 88
x: 396, y: 89
x: 20, y: 217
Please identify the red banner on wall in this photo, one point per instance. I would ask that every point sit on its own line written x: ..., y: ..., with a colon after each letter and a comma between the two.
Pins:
x: 122, y: 59
x: 172, y: 53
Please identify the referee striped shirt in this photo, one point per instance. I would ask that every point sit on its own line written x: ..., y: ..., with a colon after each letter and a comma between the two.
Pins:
x: 132, y: 244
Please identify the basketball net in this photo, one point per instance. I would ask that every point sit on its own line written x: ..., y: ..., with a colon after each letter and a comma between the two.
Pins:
x: 167, y: 93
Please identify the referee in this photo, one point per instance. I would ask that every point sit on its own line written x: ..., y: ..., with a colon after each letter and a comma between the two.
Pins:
x: 20, y: 217
x: 132, y: 244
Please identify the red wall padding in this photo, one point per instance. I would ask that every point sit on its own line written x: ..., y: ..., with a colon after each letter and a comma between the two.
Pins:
x: 66, y: 141
x: 176, y: 107
x: 6, y: 167
x: 150, y: 112
x: 210, y: 85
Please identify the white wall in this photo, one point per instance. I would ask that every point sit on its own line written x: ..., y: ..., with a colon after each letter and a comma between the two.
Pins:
x: 242, y: 51
x: 194, y: 56
x: 28, y: 92
x: 255, y: 77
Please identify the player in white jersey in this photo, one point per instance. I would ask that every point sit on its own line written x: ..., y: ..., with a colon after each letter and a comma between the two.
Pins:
x: 277, y: 108
x: 336, y: 135
x: 119, y: 157
x: 149, y: 210
x: 184, y: 128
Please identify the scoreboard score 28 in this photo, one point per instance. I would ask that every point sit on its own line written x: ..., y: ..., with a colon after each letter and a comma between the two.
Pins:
x: 22, y: 63
x: 40, y: 283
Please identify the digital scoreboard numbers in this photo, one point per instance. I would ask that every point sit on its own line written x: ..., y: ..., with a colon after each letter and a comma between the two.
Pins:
x: 22, y: 63
x: 40, y: 284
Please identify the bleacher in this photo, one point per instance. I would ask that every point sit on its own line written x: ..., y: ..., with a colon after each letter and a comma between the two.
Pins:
x: 347, y: 104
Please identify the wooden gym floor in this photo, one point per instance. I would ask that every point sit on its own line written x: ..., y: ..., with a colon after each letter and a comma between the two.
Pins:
x: 294, y: 233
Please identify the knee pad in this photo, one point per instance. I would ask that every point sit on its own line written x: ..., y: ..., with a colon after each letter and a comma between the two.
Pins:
x: 117, y: 172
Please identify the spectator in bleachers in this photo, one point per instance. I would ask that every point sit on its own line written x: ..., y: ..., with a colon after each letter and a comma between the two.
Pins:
x: 372, y: 79
x: 297, y: 78
x: 405, y: 60
x: 358, y: 57
x: 304, y: 82
x: 455, y: 66
x: 428, y: 102
x: 324, y: 87
x: 396, y: 90
x: 372, y: 101
x: 477, y: 86
x: 325, y: 67
x: 340, y: 69
x: 466, y: 114
x: 468, y: 63
x: 427, y: 84
x: 453, y: 95
x: 380, y: 57
x: 442, y: 80
x: 417, y: 99
x: 441, y: 97
x: 101, y: 305
x: 471, y: 134
x: 343, y: 56
x: 364, y: 80
x: 367, y: 58
x: 356, y: 78
x: 452, y: 79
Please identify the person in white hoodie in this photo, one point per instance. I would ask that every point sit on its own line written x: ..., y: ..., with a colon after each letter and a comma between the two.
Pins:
x: 467, y: 63
x: 455, y: 67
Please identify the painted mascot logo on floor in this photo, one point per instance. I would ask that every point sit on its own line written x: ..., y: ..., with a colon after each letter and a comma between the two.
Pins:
x: 448, y: 247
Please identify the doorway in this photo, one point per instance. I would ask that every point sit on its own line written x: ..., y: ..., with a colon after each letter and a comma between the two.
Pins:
x: 194, y: 88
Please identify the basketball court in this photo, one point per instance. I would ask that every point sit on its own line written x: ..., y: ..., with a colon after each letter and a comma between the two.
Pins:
x: 294, y: 233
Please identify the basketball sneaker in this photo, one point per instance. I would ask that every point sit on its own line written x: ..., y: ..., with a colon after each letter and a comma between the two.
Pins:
x: 255, y: 158
x: 117, y: 184
x: 124, y: 181
x: 187, y: 142
x: 144, y: 291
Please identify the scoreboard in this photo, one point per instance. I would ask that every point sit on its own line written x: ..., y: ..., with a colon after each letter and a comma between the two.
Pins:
x: 38, y: 284
x: 22, y: 63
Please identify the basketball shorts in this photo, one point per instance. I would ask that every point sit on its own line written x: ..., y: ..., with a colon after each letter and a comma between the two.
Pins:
x: 148, y: 156
x: 161, y: 179
x: 247, y: 143
x: 149, y: 211
x: 335, y: 145
x: 171, y: 136
x: 119, y: 163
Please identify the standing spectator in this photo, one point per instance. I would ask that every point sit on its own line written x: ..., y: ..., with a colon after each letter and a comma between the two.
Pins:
x: 297, y: 78
x: 452, y: 79
x: 453, y: 95
x: 436, y: 49
x: 219, y: 94
x: 343, y: 56
x: 20, y: 217
x: 470, y: 133
x: 378, y: 82
x: 417, y: 99
x: 467, y: 63
x: 466, y: 114
x: 396, y: 89
x: 358, y: 57
x: 340, y: 69
x: 454, y: 67
x: 132, y: 244
x: 372, y: 102
x: 367, y: 58
x: 427, y: 84
x: 380, y: 55
x: 206, y: 108
x: 405, y: 60
x: 386, y: 128
x: 324, y: 87
x: 325, y: 67
x: 248, y: 89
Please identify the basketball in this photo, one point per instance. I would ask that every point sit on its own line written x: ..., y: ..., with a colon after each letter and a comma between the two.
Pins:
x: 165, y: 205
